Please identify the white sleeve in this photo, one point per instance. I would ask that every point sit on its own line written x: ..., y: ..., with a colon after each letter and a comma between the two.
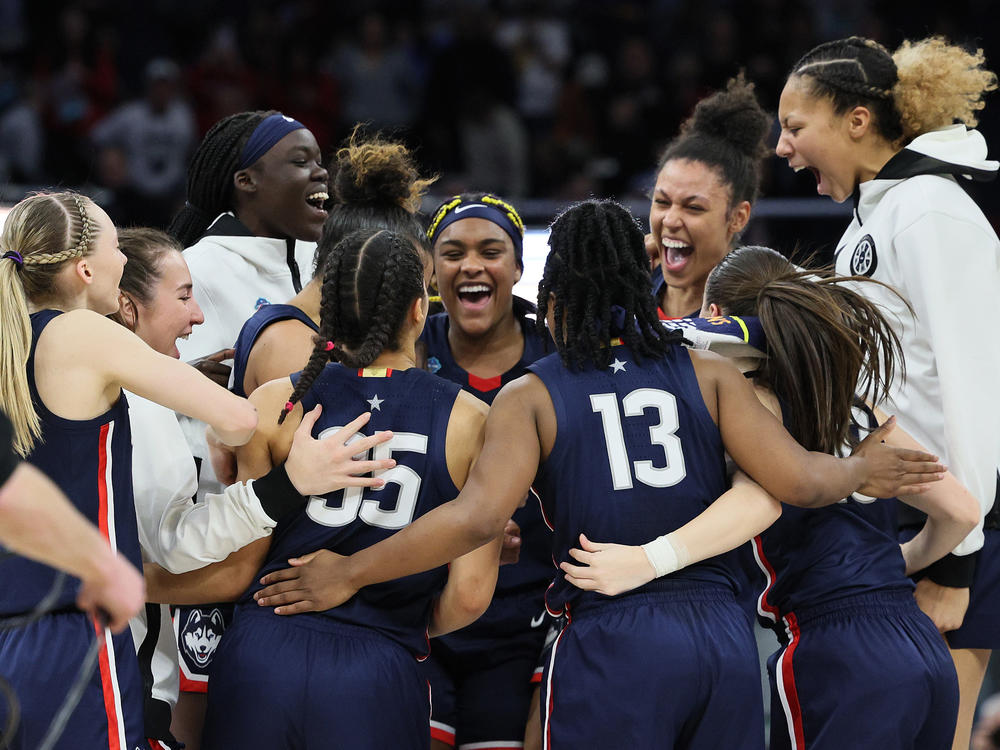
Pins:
x: 191, y: 535
x: 174, y: 531
x: 951, y: 275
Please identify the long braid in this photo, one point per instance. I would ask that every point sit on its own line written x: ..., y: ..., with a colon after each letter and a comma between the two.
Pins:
x: 210, y: 175
x: 370, y: 281
x: 597, y: 276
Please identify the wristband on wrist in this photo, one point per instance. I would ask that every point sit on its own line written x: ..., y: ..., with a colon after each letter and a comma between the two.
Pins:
x: 666, y: 554
x: 278, y: 496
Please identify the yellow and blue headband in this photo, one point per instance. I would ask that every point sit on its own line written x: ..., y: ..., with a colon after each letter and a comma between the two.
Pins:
x: 270, y: 130
x: 488, y: 207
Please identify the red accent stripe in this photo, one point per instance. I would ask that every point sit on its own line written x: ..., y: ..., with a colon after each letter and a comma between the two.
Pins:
x: 102, y: 485
x: 762, y: 599
x: 788, y: 677
x: 107, y: 688
x: 536, y: 678
x: 485, y: 384
x: 441, y: 735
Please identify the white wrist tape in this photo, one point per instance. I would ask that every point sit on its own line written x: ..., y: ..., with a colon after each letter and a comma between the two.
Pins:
x: 666, y: 554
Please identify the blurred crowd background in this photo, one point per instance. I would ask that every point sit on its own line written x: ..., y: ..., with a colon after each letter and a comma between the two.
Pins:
x: 541, y: 101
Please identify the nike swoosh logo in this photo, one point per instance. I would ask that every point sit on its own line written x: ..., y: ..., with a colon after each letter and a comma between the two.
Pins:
x: 536, y: 621
x: 471, y: 205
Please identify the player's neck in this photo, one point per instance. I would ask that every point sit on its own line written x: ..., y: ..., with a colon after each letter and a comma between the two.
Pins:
x: 679, y: 302
x: 308, y: 300
x: 399, y: 359
x: 493, y: 352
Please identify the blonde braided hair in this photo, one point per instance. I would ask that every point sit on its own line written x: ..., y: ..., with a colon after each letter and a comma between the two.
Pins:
x: 36, y: 224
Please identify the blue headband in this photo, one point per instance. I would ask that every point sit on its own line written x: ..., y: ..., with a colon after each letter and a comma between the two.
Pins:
x: 270, y: 130
x: 483, y: 211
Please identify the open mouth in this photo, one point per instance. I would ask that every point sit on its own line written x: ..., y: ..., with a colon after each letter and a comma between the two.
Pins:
x: 676, y: 254
x: 318, y: 200
x: 474, y: 295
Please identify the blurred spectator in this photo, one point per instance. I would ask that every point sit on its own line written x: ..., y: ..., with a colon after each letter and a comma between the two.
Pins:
x: 156, y: 135
x: 220, y: 82
x: 380, y: 85
x: 986, y: 732
x: 22, y: 138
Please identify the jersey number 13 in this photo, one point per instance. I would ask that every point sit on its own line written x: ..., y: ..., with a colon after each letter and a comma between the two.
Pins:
x: 662, y: 434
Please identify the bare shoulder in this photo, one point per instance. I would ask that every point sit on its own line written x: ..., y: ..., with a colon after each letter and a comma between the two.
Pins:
x: 282, y: 348
x: 270, y: 399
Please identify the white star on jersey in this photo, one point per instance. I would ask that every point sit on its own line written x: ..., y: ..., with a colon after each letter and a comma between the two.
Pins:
x: 376, y: 403
x: 618, y: 366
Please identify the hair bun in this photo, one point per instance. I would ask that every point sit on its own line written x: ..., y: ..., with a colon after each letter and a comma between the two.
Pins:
x: 732, y: 115
x: 377, y: 172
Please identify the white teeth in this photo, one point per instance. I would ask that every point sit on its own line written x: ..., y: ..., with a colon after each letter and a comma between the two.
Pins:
x: 798, y: 169
x: 319, y: 196
x: 473, y: 289
x: 674, y: 243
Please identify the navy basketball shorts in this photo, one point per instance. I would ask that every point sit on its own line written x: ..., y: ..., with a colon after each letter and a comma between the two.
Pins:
x: 42, y: 660
x: 866, y: 671
x: 672, y: 669
x: 307, y: 682
x: 198, y: 631
x: 481, y: 676
x: 980, y: 628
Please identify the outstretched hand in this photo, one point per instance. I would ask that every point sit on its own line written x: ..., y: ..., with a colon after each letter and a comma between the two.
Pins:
x: 212, y: 368
x: 609, y: 569
x: 314, y: 582
x: 316, y: 467
x: 895, y: 471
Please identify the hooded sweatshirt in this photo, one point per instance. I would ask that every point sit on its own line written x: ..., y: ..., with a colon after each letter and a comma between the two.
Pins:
x: 917, y: 230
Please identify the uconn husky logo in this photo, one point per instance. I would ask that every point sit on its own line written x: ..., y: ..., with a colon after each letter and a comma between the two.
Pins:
x: 863, y: 259
x: 200, y: 635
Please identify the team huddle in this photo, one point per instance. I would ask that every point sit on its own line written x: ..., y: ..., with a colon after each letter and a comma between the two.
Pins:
x: 509, y: 524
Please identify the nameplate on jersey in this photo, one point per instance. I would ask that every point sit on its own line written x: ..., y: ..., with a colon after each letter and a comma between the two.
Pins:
x: 375, y: 372
x: 864, y: 259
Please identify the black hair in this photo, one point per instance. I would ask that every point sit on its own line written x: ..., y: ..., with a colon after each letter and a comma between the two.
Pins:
x: 855, y: 72
x: 370, y: 281
x: 597, y: 262
x: 210, y: 175
x: 727, y: 132
x: 374, y: 184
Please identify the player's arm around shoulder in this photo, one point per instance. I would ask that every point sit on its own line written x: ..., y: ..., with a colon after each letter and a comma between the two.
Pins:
x: 471, y: 577
x: 127, y: 361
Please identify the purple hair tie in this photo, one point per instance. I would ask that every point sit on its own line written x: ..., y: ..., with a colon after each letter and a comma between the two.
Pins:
x: 14, y: 256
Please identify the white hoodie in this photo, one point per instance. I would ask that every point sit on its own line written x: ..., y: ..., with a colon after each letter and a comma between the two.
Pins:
x: 918, y: 231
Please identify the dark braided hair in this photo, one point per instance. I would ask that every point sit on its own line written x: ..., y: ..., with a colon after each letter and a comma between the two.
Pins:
x: 727, y: 132
x: 210, y: 175
x: 854, y: 72
x: 597, y: 261
x: 374, y: 184
x: 825, y: 341
x: 371, y: 279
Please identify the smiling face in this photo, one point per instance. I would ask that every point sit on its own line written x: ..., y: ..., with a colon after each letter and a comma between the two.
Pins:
x: 283, y: 193
x: 171, y: 312
x: 476, y: 270
x: 816, y: 138
x: 691, y: 222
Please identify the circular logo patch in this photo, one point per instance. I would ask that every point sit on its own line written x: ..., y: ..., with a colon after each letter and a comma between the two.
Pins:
x: 864, y: 260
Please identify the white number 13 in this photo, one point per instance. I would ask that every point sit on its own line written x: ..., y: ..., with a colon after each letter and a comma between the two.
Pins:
x: 662, y: 434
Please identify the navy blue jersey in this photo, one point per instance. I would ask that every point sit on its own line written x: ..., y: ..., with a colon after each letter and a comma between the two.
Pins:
x: 416, y: 406
x: 534, y: 567
x: 91, y: 462
x: 251, y: 331
x: 812, y: 556
x: 636, y: 455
